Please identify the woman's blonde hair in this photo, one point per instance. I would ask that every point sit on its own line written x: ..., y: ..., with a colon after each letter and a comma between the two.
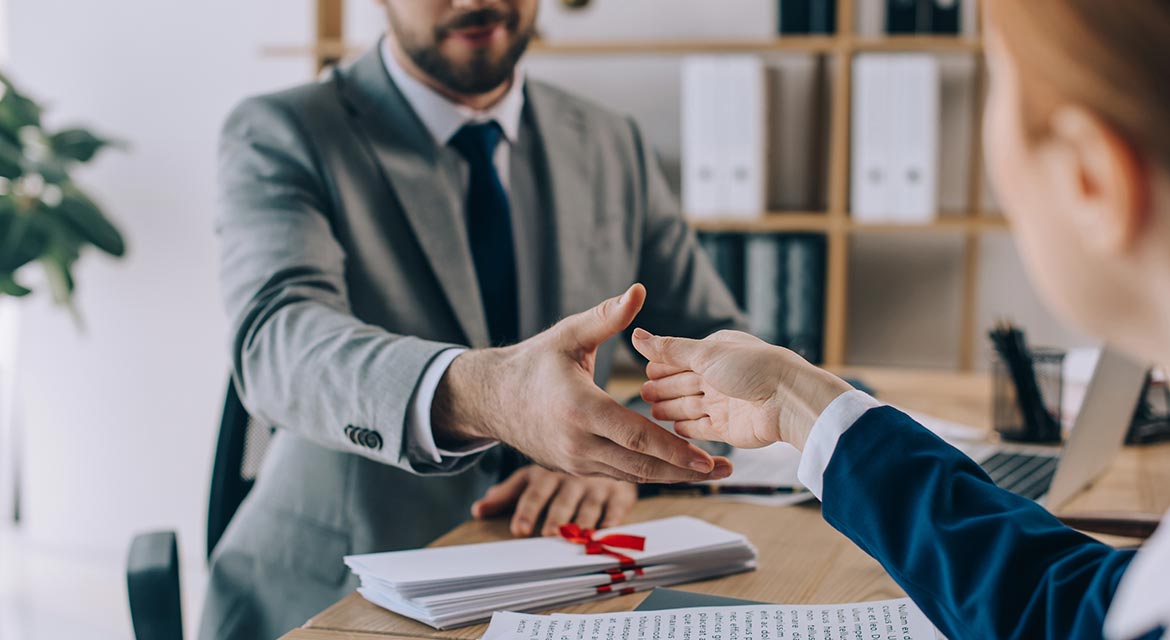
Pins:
x: 1110, y: 56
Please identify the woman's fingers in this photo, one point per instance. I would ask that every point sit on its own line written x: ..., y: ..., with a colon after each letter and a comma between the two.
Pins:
x: 698, y: 429
x: 656, y: 370
x: 679, y: 352
x: 678, y: 385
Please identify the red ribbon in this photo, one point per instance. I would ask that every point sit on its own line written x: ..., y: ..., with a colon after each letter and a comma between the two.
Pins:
x: 600, y: 546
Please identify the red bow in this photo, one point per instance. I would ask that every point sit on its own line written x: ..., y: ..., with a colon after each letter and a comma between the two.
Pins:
x: 575, y: 534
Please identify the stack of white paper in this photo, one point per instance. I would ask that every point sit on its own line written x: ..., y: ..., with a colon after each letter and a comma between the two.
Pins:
x: 453, y: 586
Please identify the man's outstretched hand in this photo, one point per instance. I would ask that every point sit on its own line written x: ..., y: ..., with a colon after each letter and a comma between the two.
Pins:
x: 539, y: 397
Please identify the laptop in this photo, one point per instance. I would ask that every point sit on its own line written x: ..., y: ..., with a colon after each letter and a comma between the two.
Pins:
x: 1051, y: 475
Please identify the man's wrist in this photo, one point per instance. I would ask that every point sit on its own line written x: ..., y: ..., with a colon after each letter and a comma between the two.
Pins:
x: 462, y: 408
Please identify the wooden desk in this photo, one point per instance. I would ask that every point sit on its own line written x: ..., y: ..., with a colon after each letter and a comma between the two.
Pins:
x: 802, y: 559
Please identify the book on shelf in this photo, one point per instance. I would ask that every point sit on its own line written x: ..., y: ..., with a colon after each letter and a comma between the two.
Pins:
x: 725, y: 250
x: 785, y: 290
x: 724, y: 136
x: 804, y: 292
x: 944, y: 17
x: 804, y: 17
x: 939, y: 17
x: 896, y: 121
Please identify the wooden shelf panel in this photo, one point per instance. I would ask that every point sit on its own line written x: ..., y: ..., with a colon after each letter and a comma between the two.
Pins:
x: 770, y: 222
x: 795, y: 222
x: 328, y: 48
x: 949, y: 223
x: 937, y: 44
x: 802, y: 44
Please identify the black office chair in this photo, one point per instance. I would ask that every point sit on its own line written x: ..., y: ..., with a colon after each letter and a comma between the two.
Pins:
x: 152, y: 570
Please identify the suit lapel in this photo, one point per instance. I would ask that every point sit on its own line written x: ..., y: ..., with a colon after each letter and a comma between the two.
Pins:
x: 410, y: 162
x: 563, y: 132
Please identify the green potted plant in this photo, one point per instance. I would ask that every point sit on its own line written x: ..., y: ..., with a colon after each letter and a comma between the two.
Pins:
x: 44, y: 216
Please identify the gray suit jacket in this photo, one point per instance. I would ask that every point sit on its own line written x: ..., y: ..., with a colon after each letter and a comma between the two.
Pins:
x: 346, y: 269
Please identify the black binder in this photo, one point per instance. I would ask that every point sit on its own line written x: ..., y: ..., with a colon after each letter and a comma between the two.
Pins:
x: 794, y: 16
x: 905, y: 16
x: 822, y: 16
x: 944, y: 16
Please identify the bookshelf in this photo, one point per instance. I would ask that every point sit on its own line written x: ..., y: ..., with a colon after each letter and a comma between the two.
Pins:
x: 834, y: 222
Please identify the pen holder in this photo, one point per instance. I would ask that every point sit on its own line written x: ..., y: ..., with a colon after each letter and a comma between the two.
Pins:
x: 1009, y: 421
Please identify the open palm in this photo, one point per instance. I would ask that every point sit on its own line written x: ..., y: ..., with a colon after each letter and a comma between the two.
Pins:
x: 733, y: 388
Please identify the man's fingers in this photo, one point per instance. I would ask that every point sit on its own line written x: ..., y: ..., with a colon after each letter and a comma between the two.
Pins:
x: 620, y: 503
x: 637, y: 434
x: 502, y: 497
x: 563, y: 506
x: 589, y: 512
x: 679, y: 352
x: 640, y: 468
x: 532, y: 503
x: 588, y: 329
x: 679, y: 385
x: 685, y: 408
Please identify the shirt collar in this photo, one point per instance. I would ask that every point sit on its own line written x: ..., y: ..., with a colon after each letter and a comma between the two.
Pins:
x: 442, y: 117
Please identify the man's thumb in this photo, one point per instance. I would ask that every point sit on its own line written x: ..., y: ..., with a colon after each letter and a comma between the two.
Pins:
x: 590, y: 328
x: 676, y: 352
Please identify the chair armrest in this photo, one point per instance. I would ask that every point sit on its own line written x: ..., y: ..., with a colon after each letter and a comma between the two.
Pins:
x: 152, y: 582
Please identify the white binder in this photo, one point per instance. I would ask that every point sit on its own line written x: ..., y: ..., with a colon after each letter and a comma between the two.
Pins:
x: 916, y: 130
x: 872, y: 194
x: 724, y: 136
x: 743, y: 103
x: 701, y: 149
x: 896, y: 116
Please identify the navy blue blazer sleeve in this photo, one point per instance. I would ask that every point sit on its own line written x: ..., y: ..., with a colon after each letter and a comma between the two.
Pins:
x: 979, y: 561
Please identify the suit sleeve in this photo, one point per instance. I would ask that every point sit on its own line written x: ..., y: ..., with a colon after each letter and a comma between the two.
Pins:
x: 981, y: 562
x: 301, y: 360
x: 685, y: 295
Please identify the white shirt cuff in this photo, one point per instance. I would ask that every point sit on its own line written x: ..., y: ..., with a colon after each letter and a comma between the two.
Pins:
x: 418, y: 420
x: 826, y: 431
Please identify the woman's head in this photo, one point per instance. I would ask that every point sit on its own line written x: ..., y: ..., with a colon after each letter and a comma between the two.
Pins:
x: 1078, y: 147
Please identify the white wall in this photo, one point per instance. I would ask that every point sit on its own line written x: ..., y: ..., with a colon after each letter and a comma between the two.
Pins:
x: 119, y: 420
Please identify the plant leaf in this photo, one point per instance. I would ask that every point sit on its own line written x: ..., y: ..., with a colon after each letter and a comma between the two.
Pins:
x: 87, y: 221
x: 77, y: 144
x: 10, y: 159
x: 22, y: 242
x: 10, y: 287
x: 60, y: 280
x: 17, y: 112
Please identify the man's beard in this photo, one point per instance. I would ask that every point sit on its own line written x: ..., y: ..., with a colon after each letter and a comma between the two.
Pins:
x: 480, y: 74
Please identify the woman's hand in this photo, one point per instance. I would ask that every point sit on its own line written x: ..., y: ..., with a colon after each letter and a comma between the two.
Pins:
x: 593, y: 503
x: 735, y: 388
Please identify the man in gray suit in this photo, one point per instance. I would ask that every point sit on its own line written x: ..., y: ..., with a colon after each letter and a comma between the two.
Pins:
x: 394, y: 240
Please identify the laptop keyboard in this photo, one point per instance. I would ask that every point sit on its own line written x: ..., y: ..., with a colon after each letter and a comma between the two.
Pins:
x: 1025, y: 474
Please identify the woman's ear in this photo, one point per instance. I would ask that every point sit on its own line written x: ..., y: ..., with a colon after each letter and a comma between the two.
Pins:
x: 1103, y: 179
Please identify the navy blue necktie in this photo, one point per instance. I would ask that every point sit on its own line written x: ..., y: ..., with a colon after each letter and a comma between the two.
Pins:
x: 489, y: 226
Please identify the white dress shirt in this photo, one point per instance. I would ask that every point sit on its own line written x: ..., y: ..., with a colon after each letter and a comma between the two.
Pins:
x: 1142, y: 601
x: 443, y: 119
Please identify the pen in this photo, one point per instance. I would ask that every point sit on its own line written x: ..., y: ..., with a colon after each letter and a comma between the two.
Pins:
x: 716, y: 489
